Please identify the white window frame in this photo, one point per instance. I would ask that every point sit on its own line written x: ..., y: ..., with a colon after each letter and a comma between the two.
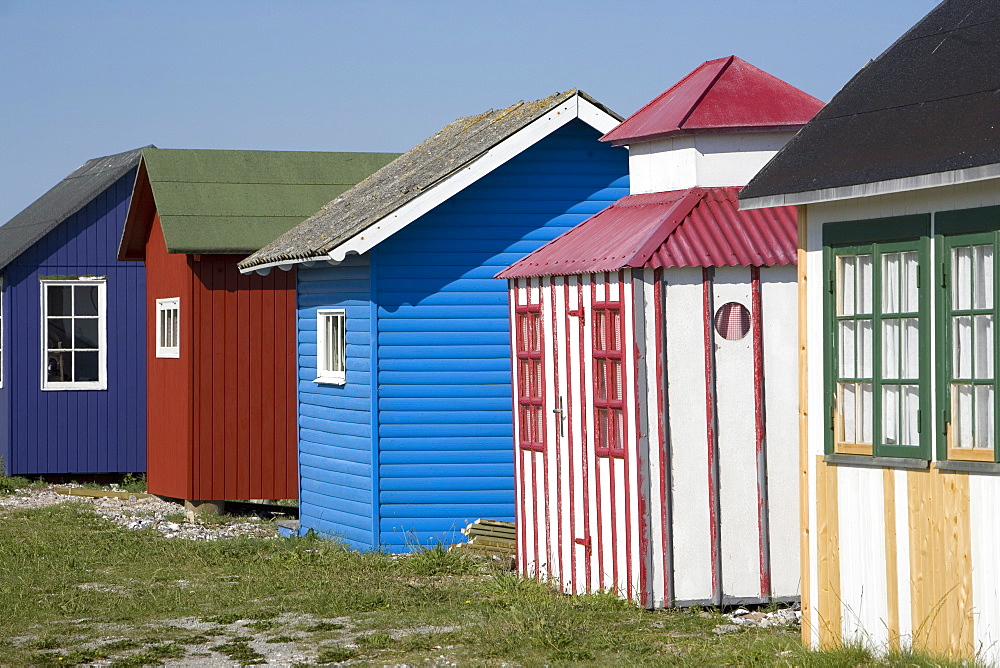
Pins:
x: 168, y: 349
x: 331, y: 356
x: 102, y: 335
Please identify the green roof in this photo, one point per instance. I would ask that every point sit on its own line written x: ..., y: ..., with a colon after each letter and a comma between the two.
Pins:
x: 213, y: 201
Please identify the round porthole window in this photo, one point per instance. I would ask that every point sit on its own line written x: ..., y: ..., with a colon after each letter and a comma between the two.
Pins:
x: 732, y: 321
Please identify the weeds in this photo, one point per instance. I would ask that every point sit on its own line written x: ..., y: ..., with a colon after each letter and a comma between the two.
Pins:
x: 239, y: 650
x: 335, y: 655
x: 397, y: 610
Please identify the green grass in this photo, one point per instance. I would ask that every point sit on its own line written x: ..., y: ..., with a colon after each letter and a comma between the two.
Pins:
x: 10, y: 484
x: 335, y: 603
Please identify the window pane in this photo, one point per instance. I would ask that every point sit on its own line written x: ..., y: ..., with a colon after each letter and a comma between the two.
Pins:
x: 984, y: 346
x: 865, y: 413
x: 982, y: 296
x: 984, y: 417
x: 961, y: 347
x: 864, y: 284
x: 961, y: 277
x: 524, y: 377
x: 890, y: 283
x: 961, y: 416
x: 59, y: 367
x: 85, y: 333
x: 910, y: 348
x: 600, y: 330
x: 890, y: 414
x: 848, y: 412
x: 846, y: 346
x: 865, y: 348
x: 85, y: 299
x: 615, y: 380
x: 910, y: 288
x: 86, y: 366
x: 60, y: 333
x: 846, y: 284
x: 340, y: 342
x: 59, y: 300
x: 910, y: 412
x: 890, y: 348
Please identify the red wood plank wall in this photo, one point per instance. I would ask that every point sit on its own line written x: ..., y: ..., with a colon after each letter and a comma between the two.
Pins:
x: 244, y: 443
x: 222, y: 416
x: 168, y: 383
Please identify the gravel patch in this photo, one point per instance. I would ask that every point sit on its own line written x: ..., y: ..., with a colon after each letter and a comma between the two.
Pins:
x: 289, y: 639
x: 166, y: 517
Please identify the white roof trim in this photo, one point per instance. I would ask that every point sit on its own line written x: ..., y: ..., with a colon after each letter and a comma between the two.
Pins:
x: 573, y: 108
x: 935, y: 180
x: 265, y: 269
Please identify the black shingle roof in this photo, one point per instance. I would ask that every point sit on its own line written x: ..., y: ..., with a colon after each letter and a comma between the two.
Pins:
x: 930, y: 103
x: 62, y: 201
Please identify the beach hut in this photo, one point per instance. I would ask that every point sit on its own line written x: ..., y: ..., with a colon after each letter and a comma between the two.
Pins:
x: 654, y: 355
x: 72, y: 366
x: 221, y: 346
x: 404, y: 380
x: 898, y: 185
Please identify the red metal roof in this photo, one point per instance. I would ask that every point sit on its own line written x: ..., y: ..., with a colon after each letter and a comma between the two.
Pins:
x: 722, y: 94
x: 697, y: 227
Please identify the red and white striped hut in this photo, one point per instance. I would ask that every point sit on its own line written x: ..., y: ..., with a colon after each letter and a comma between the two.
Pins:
x: 655, y: 363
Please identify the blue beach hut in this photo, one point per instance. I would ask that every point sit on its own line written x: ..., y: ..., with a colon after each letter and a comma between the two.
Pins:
x: 72, y: 330
x: 404, y: 393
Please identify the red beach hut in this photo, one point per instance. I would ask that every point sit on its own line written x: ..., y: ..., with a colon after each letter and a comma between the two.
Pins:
x: 221, y: 346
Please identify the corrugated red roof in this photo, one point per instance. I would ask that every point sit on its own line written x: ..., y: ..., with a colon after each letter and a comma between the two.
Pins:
x: 722, y: 94
x: 697, y: 227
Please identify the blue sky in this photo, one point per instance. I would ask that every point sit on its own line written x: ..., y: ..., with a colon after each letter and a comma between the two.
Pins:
x: 84, y: 79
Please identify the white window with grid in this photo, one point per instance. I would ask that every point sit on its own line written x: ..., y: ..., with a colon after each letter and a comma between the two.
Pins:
x: 74, y: 336
x: 331, y: 346
x: 168, y: 327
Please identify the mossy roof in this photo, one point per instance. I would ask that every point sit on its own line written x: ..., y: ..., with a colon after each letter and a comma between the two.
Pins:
x: 414, y: 173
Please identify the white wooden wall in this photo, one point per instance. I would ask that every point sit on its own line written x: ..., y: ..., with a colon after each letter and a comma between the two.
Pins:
x: 653, y: 526
x: 578, y: 513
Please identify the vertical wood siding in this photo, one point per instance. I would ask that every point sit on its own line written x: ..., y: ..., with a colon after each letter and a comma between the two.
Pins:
x: 335, y: 421
x: 168, y: 390
x: 781, y: 404
x: 222, y: 415
x: 243, y: 391
x: 641, y: 523
x: 444, y: 422
x: 582, y: 515
x: 76, y: 431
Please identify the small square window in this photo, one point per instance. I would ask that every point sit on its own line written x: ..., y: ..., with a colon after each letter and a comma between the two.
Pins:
x: 331, y: 346
x: 168, y: 327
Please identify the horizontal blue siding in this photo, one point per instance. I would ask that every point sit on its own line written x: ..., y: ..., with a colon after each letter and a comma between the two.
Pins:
x: 77, y: 431
x: 335, y: 448
x: 445, y: 423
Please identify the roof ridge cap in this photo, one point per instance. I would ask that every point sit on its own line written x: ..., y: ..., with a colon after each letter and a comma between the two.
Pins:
x: 718, y: 75
x: 666, y: 226
x: 662, y: 95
